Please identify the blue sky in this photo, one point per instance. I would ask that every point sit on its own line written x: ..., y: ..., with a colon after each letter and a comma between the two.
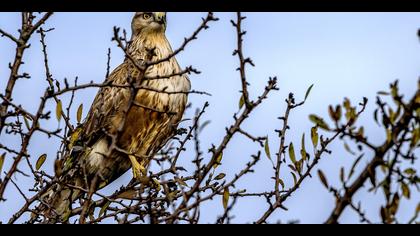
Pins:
x: 344, y: 54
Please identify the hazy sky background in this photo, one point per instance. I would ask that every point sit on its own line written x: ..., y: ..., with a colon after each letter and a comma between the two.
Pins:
x: 344, y: 54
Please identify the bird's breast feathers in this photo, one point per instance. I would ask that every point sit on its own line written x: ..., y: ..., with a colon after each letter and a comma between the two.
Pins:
x: 172, y: 91
x: 159, y: 106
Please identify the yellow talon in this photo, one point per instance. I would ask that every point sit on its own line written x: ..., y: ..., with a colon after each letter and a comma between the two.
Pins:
x: 138, y: 170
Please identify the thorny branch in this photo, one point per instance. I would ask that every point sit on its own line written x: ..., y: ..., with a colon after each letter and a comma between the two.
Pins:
x: 28, y: 27
x: 397, y: 129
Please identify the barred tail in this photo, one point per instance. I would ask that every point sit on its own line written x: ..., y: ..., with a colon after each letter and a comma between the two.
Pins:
x: 55, y: 206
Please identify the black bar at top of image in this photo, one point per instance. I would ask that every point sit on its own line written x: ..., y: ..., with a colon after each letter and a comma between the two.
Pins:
x: 212, y: 5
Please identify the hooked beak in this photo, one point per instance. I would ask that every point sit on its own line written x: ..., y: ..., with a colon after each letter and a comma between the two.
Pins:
x: 160, y: 18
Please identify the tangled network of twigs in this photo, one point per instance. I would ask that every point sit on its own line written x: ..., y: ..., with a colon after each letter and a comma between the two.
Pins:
x: 175, y: 194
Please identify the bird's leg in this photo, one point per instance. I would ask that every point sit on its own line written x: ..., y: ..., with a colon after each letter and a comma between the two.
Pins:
x: 138, y: 170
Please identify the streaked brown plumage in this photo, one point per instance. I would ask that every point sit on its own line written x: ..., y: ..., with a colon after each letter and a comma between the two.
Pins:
x: 112, y: 140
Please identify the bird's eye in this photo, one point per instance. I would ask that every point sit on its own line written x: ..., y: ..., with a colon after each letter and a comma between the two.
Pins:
x: 147, y: 16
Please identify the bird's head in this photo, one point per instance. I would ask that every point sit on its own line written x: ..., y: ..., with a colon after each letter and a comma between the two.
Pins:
x: 152, y: 22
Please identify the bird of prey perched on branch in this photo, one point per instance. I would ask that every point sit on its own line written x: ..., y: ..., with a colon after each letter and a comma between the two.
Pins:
x: 131, y: 118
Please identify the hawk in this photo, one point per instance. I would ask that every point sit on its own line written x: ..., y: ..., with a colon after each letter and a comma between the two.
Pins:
x: 124, y: 130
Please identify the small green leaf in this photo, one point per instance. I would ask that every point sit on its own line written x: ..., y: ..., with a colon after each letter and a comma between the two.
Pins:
x: 59, y: 110
x: 292, y: 153
x: 181, y: 182
x: 415, y: 138
x: 308, y: 91
x: 104, y: 208
x: 156, y: 184
x: 129, y: 194
x: 351, y: 115
x: 241, y: 102
x: 79, y: 113
x: 2, y: 157
x: 303, y: 149
x: 322, y: 178
x: 204, y: 125
x: 348, y: 149
x: 319, y: 122
x: 299, y: 165
x: 74, y: 137
x: 338, y: 112
x: 314, y: 137
x: 294, y: 178
x: 394, y: 91
x: 267, y: 148
x: 394, y: 204
x: 347, y: 104
x: 218, y: 161
x: 171, y: 196
x: 40, y: 161
x: 220, y: 176
x: 331, y: 112
x: 281, y: 183
x: 383, y: 93
x: 410, y: 171
x: 354, y: 166
x: 361, y: 133
x: 405, y: 190
x: 226, y: 196
x: 28, y: 126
